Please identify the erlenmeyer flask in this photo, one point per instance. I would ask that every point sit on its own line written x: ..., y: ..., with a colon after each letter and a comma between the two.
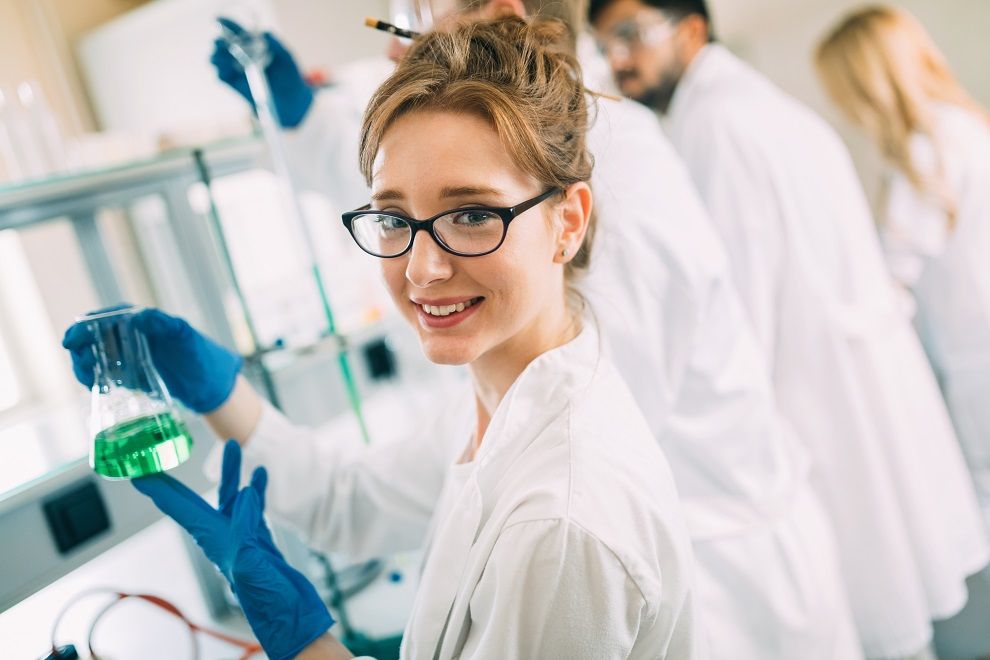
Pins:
x: 135, y: 426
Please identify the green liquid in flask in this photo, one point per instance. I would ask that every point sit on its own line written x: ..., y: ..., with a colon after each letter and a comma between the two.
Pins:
x: 142, y: 446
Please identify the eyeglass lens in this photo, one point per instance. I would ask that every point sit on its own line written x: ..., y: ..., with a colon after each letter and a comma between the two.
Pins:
x: 635, y: 33
x: 468, y: 232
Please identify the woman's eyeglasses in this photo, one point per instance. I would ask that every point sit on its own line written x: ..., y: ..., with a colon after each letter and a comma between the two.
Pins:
x: 472, y: 231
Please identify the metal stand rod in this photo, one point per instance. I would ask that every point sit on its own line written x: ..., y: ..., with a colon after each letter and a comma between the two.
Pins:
x: 251, y: 52
x: 256, y: 358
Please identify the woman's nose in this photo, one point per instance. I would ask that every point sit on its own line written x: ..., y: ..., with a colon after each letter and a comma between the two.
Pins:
x: 428, y: 263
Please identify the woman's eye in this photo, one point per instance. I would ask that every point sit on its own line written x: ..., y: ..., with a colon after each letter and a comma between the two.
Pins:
x: 388, y: 223
x: 473, y: 218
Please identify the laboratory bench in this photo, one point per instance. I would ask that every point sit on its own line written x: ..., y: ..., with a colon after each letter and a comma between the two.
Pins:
x: 154, y: 561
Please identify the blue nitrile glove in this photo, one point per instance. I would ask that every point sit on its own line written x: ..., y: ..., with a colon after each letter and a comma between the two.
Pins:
x: 282, y: 606
x: 292, y: 94
x: 196, y: 370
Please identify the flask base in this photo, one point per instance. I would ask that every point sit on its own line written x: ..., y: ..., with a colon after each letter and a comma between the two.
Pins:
x: 142, y: 446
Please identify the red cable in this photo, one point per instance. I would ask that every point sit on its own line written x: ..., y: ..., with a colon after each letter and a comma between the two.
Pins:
x: 249, y: 648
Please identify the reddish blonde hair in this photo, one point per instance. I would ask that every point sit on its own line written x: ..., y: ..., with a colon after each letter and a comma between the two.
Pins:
x: 520, y: 76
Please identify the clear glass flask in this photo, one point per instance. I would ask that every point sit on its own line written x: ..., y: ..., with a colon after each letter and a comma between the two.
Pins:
x: 136, y: 427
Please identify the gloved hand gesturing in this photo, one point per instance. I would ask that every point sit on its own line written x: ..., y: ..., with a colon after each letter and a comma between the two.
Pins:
x: 293, y: 96
x: 196, y: 370
x: 281, y: 605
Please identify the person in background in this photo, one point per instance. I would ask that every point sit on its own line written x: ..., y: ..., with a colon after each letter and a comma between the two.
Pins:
x: 887, y: 75
x: 848, y: 369
x: 557, y: 531
x: 677, y: 331
x: 883, y: 70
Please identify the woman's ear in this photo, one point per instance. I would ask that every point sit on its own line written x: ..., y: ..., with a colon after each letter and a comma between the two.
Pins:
x: 574, y: 214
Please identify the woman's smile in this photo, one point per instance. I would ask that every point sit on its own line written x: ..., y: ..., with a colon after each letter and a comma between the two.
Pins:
x: 443, y: 313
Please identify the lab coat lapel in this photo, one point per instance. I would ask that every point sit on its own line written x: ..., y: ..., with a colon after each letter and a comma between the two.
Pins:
x: 444, y: 573
x: 535, y: 400
x: 456, y: 558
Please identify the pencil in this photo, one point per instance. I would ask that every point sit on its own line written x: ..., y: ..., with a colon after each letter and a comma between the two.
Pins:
x: 391, y: 29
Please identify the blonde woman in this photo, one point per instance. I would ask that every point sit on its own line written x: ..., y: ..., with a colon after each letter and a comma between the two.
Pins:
x: 884, y: 71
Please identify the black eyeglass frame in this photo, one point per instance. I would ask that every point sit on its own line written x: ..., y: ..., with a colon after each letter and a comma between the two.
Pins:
x: 506, y: 213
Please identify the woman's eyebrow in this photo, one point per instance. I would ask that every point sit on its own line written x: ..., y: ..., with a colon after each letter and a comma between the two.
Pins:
x: 447, y: 192
x: 467, y: 191
x: 388, y: 195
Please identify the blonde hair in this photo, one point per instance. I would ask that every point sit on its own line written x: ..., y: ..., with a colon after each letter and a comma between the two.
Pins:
x: 521, y: 76
x: 882, y: 68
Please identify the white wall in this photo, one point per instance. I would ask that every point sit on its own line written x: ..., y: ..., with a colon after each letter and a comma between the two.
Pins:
x: 326, y: 34
x: 149, y: 69
x: 779, y: 38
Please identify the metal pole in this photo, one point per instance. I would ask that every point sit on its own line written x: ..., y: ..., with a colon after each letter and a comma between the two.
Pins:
x: 251, y: 52
x: 257, y: 356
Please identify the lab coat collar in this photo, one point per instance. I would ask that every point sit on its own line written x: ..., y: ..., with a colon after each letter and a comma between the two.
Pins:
x: 705, y: 66
x: 538, y: 395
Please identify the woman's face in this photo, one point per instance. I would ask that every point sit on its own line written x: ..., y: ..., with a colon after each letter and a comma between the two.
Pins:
x: 430, y: 162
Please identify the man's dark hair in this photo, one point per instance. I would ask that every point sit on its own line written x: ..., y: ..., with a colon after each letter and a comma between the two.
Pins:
x: 675, y: 9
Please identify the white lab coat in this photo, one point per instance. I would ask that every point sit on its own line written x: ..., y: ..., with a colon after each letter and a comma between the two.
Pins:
x: 676, y: 330
x: 948, y: 272
x: 768, y: 579
x: 563, y: 538
x: 848, y: 370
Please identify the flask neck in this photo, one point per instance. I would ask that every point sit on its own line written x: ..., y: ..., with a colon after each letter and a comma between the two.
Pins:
x: 123, y: 360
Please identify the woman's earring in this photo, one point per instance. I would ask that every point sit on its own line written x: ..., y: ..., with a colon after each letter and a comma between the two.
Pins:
x: 563, y: 252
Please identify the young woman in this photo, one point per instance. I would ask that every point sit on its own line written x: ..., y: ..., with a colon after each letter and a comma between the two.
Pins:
x: 557, y: 532
x: 883, y: 70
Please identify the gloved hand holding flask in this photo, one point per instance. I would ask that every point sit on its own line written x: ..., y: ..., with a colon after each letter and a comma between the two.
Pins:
x: 196, y: 370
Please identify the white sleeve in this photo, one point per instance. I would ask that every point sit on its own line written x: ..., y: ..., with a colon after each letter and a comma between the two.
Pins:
x: 735, y: 187
x: 915, y: 226
x: 323, y: 150
x: 344, y: 496
x: 551, y: 590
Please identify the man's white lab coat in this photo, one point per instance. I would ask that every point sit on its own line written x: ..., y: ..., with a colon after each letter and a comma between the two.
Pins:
x: 849, y: 372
